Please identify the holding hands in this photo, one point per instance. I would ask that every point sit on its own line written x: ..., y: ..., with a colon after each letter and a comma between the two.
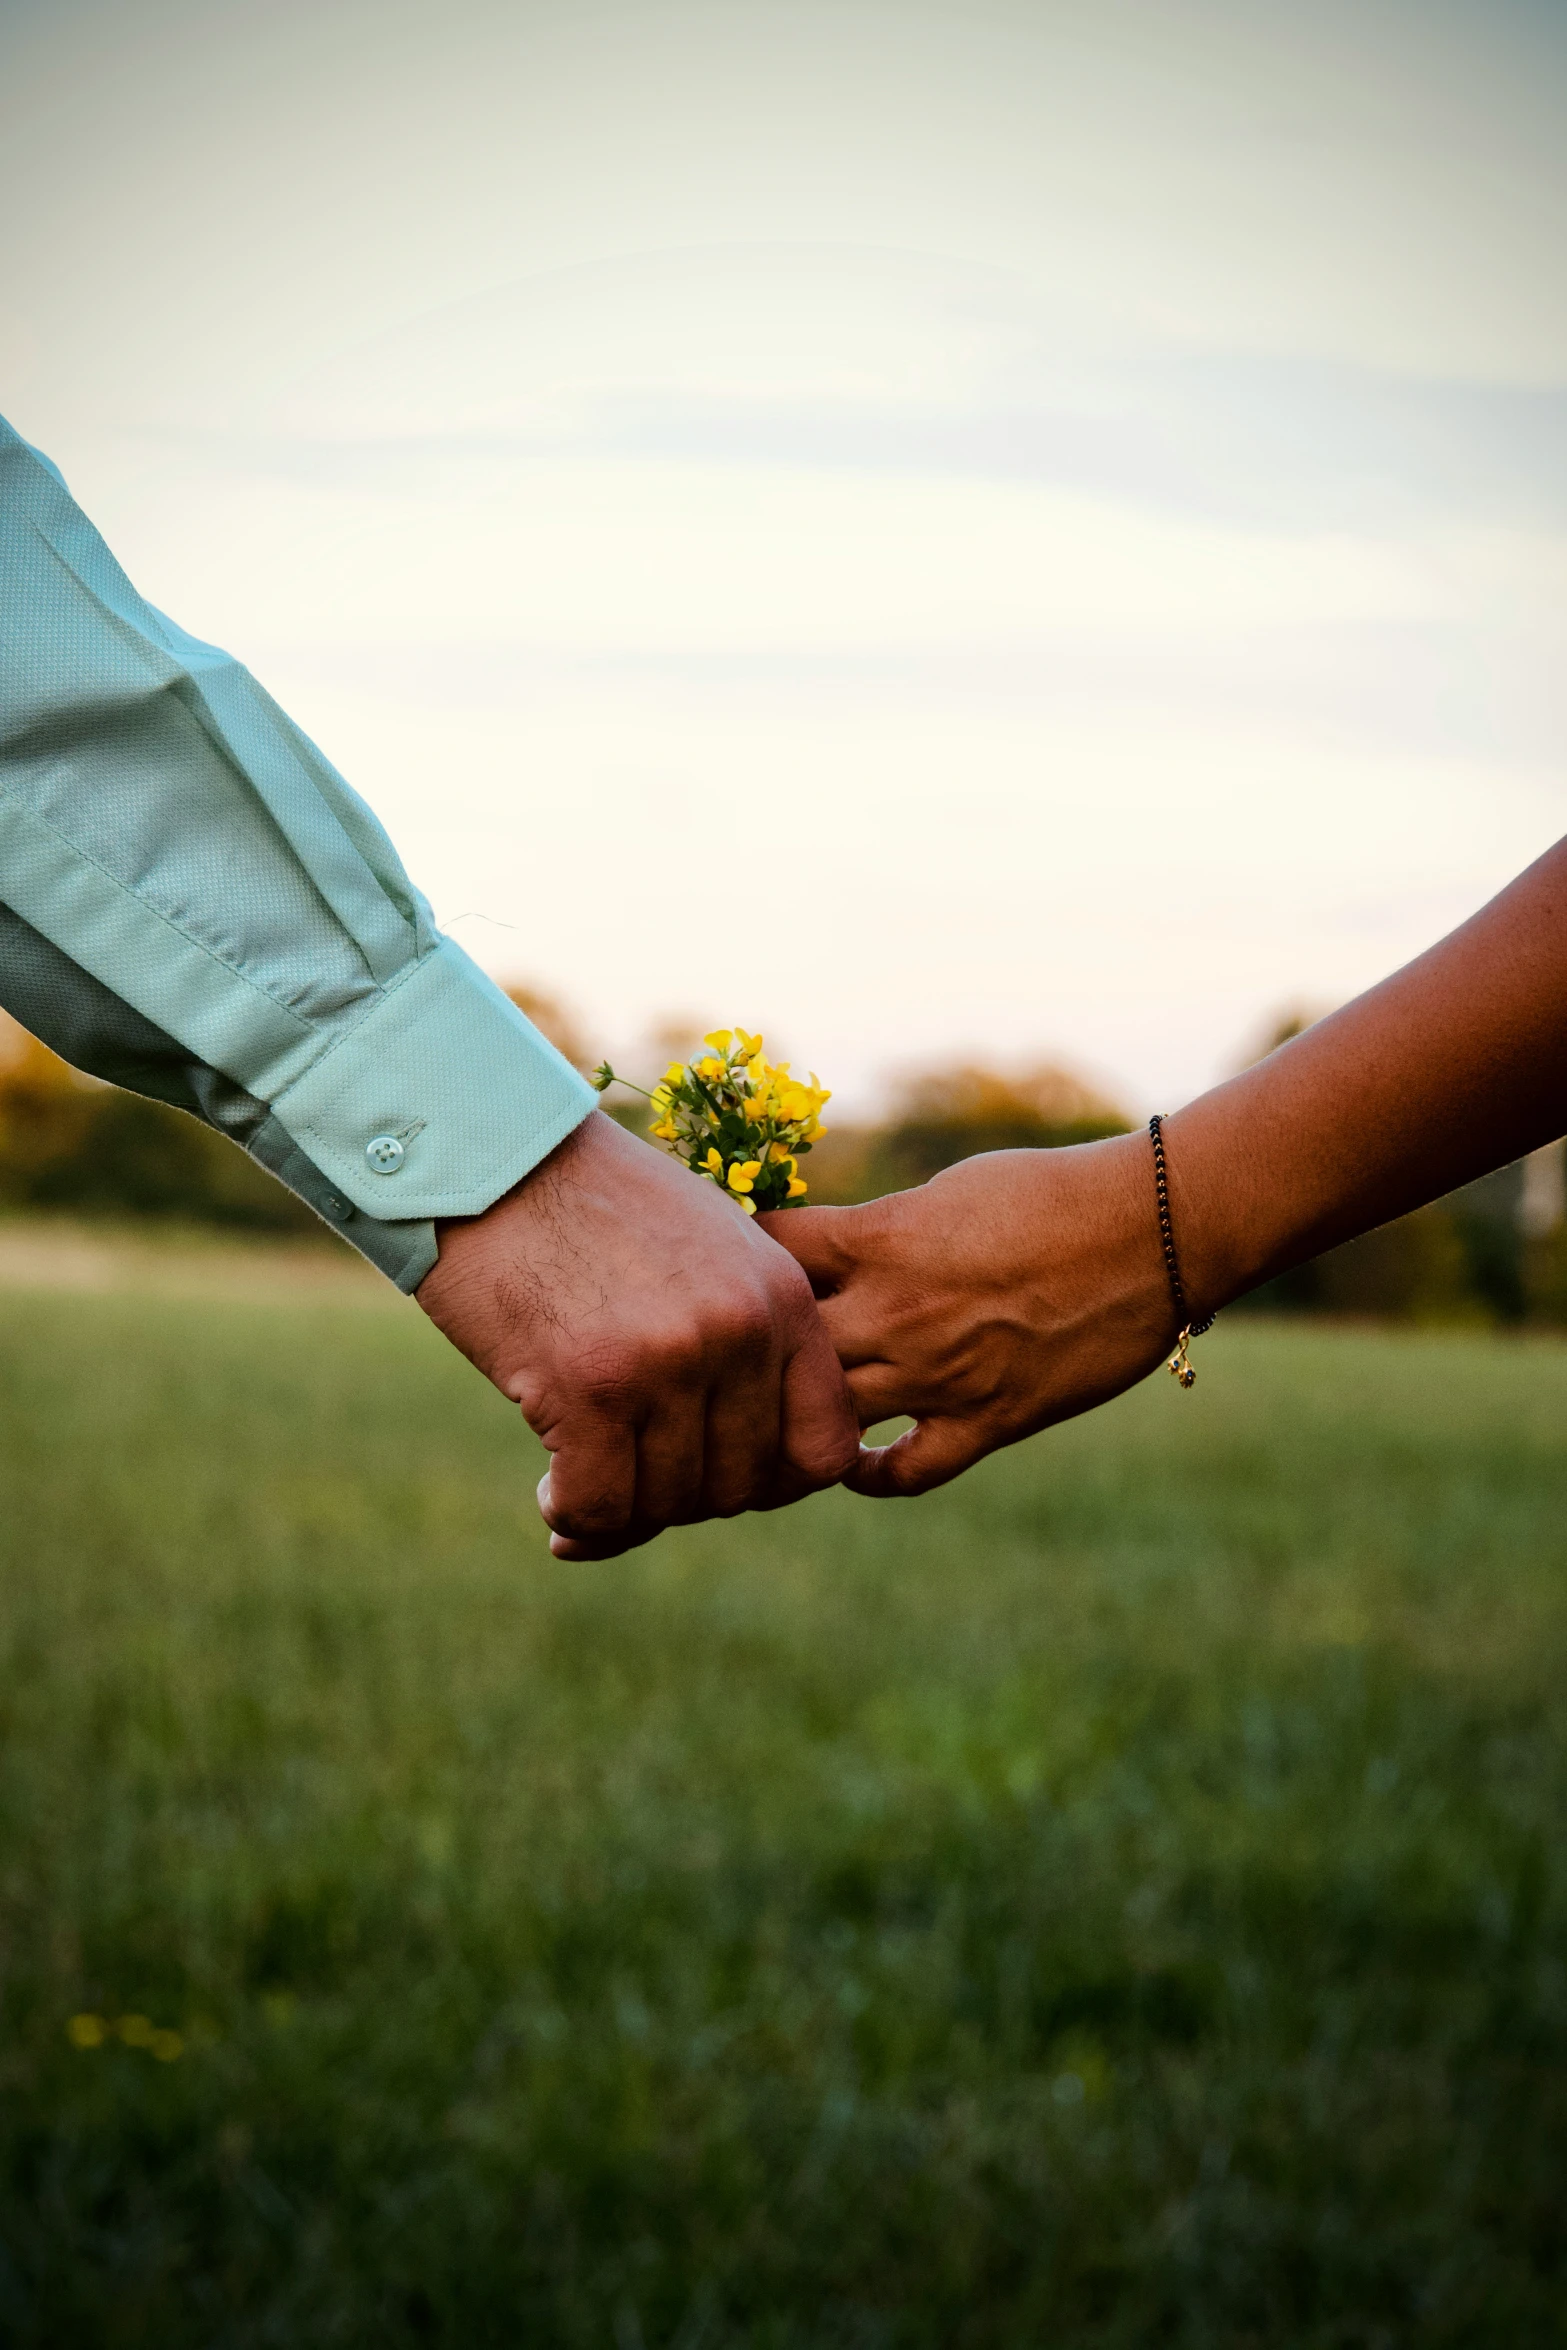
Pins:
x: 684, y: 1348
x: 681, y: 1358
x: 666, y: 1352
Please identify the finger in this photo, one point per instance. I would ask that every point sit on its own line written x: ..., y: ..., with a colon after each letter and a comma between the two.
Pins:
x: 819, y: 1436
x: 589, y: 1489
x: 740, y: 1455
x: 821, y: 1241
x: 881, y: 1391
x: 609, y: 1546
x: 670, y: 1453
x: 855, y: 1317
x: 925, y: 1456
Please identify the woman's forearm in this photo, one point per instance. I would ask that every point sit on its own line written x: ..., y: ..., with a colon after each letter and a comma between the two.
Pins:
x: 1023, y: 1286
x: 1454, y: 1065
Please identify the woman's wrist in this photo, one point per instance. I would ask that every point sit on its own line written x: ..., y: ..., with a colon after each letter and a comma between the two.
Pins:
x: 1452, y: 1066
x: 1233, y: 1215
x: 1127, y: 1238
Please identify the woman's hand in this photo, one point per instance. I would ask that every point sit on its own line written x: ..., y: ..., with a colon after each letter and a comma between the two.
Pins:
x: 1009, y: 1292
x: 1022, y: 1287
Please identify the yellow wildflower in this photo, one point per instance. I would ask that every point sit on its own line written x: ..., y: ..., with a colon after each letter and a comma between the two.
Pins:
x: 726, y: 1101
x: 87, y: 2031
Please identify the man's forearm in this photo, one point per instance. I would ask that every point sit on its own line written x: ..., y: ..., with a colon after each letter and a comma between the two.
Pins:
x: 195, y: 904
x: 1452, y: 1066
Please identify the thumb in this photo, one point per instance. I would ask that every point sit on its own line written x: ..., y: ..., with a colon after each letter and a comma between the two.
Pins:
x: 822, y: 1241
x: 931, y: 1453
x: 820, y: 1436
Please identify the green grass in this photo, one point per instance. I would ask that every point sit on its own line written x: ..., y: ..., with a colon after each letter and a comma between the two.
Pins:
x: 1119, y: 1900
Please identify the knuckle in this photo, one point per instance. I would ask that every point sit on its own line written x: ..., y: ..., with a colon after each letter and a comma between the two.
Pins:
x: 790, y: 1287
x: 748, y: 1326
x: 606, y: 1378
x: 739, y: 1326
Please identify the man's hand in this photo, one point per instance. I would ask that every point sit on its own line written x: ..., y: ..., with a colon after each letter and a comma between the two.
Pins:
x: 1007, y: 1293
x: 665, y: 1350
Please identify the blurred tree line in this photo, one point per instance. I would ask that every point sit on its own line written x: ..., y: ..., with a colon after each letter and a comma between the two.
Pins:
x: 1495, y: 1252
x: 941, y: 1116
x: 71, y: 1145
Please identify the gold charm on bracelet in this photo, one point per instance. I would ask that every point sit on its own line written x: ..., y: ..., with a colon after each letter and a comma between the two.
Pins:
x: 1179, y: 1365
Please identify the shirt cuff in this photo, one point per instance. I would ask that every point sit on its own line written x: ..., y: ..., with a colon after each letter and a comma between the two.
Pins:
x: 437, y: 1100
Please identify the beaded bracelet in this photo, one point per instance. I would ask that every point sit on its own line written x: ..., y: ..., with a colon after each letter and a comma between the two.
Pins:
x: 1178, y: 1363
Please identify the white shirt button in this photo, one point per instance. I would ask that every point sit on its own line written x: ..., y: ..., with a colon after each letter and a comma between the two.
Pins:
x: 385, y: 1154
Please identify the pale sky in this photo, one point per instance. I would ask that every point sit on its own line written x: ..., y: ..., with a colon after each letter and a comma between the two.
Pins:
x: 1005, y: 529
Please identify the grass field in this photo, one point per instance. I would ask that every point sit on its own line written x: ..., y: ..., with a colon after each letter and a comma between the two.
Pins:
x: 1119, y: 1900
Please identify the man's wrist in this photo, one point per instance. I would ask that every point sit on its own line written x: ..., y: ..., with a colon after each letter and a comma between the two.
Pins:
x: 437, y: 1101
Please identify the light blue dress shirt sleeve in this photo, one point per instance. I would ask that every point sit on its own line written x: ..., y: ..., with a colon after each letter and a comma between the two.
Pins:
x: 193, y: 902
